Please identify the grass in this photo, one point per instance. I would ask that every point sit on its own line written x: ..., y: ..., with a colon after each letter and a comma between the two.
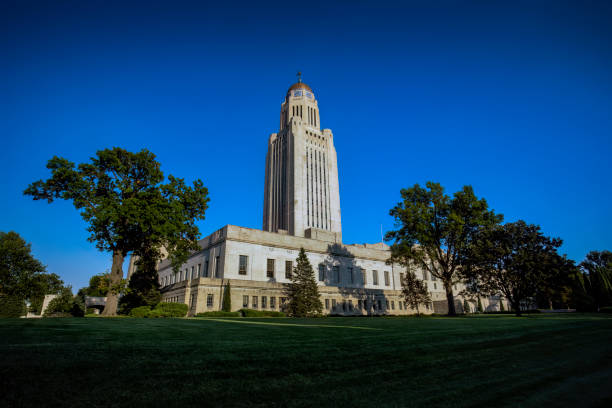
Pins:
x: 535, y: 361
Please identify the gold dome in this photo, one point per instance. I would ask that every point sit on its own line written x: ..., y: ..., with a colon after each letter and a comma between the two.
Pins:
x: 299, y: 85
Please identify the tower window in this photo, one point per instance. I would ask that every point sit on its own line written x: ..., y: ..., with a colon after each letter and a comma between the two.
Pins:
x: 288, y: 269
x: 242, y: 266
x: 270, y: 269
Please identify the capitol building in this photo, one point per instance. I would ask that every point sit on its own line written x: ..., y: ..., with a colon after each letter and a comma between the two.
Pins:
x: 301, y: 210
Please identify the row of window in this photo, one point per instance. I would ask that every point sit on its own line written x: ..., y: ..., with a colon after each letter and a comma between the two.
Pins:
x: 196, y: 271
x: 376, y: 304
x: 254, y: 304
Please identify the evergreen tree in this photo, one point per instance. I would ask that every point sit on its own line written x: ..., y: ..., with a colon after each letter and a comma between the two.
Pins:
x: 414, y: 291
x: 303, y: 292
x: 466, y: 306
x: 480, y: 309
x: 501, y: 305
x: 227, y: 299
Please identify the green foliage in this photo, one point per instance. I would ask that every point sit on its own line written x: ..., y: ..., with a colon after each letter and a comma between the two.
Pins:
x: 597, y: 277
x: 141, y: 311
x: 12, y: 306
x: 227, y: 299
x: 65, y: 304
x: 480, y: 308
x: 303, y: 292
x: 466, y: 306
x: 142, y: 290
x: 414, y: 291
x: 98, y: 285
x: 219, y: 313
x: 516, y: 260
x: 435, y: 231
x: 501, y: 305
x: 261, y: 313
x: 166, y: 309
x: 121, y: 196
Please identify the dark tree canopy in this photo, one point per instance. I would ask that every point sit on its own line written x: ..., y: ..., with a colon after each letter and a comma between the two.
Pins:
x: 515, y: 260
x: 303, y: 292
x: 122, y: 197
x: 435, y: 231
x: 597, y: 277
x: 414, y: 291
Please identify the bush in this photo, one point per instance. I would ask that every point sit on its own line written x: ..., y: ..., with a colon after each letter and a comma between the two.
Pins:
x: 219, y: 313
x: 12, y: 306
x: 261, y: 313
x: 65, y: 304
x: 141, y: 311
x: 165, y: 309
x: 605, y: 309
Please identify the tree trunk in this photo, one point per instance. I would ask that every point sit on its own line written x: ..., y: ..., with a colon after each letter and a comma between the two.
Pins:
x: 112, y: 297
x: 516, y: 305
x: 450, y: 298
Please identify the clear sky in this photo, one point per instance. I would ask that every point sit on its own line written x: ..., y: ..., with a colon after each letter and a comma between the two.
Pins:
x: 514, y: 98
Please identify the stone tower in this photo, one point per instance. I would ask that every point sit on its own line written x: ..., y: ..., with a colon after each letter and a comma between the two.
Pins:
x: 301, y: 194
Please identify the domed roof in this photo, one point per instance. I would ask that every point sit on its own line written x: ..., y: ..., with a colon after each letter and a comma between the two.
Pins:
x: 299, y: 85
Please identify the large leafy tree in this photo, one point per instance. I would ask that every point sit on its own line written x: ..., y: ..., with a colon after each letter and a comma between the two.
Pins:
x: 515, y: 260
x: 21, y: 275
x: 129, y: 207
x: 435, y: 231
x: 303, y: 292
x: 414, y: 291
x: 597, y: 277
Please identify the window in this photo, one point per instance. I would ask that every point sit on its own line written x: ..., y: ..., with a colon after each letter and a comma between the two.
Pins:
x: 209, y: 300
x: 180, y: 278
x: 193, y: 272
x: 336, y: 270
x: 400, y: 305
x: 363, y: 276
x: 350, y: 305
x: 402, y: 277
x: 373, y: 305
x: 360, y: 304
x: 333, y: 304
x: 379, y: 304
x: 272, y: 302
x: 199, y: 269
x: 283, y: 300
x: 269, y: 271
x: 387, y: 304
x: 254, y: 302
x: 375, y: 277
x: 387, y: 281
x: 205, y: 274
x: 217, y: 267
x: 242, y: 265
x: 435, y: 286
x: 264, y: 301
x: 327, y: 304
x: 425, y: 275
x: 288, y: 269
x: 321, y: 272
x: 344, y: 306
x: 392, y: 305
x: 350, y: 273
x: 245, y: 301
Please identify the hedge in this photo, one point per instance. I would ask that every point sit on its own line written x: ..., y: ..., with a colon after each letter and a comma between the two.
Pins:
x: 219, y: 313
x: 141, y: 311
x: 12, y: 306
x: 261, y: 313
x: 165, y: 309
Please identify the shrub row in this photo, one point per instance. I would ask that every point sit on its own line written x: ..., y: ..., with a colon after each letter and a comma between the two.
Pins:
x: 219, y: 313
x: 162, y: 309
x: 261, y: 313
x: 12, y: 306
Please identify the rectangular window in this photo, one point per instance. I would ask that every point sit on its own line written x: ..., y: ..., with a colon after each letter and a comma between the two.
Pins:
x: 199, y: 269
x: 254, y: 302
x: 327, y: 304
x: 272, y: 302
x: 387, y: 281
x: 217, y: 267
x: 209, y: 300
x: 387, y: 304
x: 360, y: 304
x: 205, y: 274
x: 245, y: 301
x: 373, y: 305
x: 350, y: 305
x: 392, y: 305
x: 344, y: 306
x: 400, y: 305
x: 269, y: 271
x: 180, y: 277
x: 242, y: 265
x: 336, y: 270
x: 264, y: 302
x: 402, y: 277
x: 283, y: 300
x: 321, y: 272
x: 193, y: 272
x: 350, y: 273
x: 363, y: 277
x: 375, y: 277
x: 288, y: 269
x: 425, y: 275
x: 379, y: 304
x: 435, y: 286
x: 333, y: 304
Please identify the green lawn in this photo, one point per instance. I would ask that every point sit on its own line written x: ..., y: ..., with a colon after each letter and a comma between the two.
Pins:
x: 496, y: 361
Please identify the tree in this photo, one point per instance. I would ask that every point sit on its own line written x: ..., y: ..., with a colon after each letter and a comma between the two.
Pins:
x: 501, y: 305
x: 414, y: 291
x: 142, y: 290
x: 303, y: 292
x: 21, y: 275
x: 597, y: 277
x: 480, y: 309
x: 514, y: 260
x: 122, y: 197
x: 466, y: 306
x: 65, y: 304
x: 435, y: 231
x: 227, y: 299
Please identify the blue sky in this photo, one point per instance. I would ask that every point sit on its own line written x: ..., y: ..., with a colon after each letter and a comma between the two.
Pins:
x: 514, y: 98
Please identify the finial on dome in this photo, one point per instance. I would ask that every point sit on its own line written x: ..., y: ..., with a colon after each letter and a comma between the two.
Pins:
x: 299, y: 75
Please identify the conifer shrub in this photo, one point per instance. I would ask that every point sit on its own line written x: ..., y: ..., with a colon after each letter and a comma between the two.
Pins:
x: 261, y: 313
x: 219, y: 313
x: 11, y: 306
x: 466, y: 307
x: 141, y: 311
x: 480, y: 309
x: 166, y: 309
x: 227, y: 299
